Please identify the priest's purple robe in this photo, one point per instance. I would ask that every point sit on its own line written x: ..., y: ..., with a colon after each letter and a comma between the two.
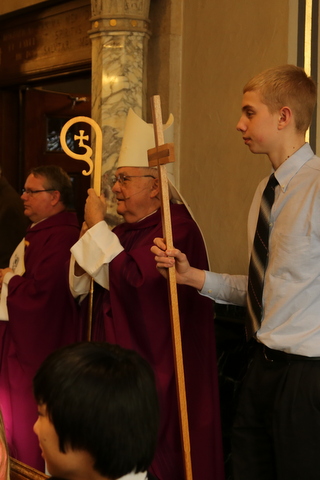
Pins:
x: 42, y: 317
x: 136, y: 316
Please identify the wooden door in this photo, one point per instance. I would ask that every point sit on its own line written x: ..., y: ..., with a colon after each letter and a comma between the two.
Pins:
x: 45, y: 113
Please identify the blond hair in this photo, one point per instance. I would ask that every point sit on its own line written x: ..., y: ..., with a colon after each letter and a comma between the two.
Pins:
x: 287, y: 85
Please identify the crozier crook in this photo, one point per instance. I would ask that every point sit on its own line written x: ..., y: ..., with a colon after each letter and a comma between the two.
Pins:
x: 94, y: 170
x: 87, y: 155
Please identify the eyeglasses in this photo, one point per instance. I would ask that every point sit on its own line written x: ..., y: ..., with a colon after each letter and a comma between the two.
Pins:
x: 32, y: 192
x: 122, y: 179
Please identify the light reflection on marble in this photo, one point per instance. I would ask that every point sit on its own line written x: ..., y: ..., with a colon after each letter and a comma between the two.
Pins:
x: 117, y: 85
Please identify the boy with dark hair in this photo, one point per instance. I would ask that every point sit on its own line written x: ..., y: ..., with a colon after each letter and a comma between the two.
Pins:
x: 277, y: 426
x: 98, y: 413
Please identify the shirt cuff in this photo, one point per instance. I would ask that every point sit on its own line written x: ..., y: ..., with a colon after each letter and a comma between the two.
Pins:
x: 225, y: 289
x: 211, y: 285
x: 79, y: 286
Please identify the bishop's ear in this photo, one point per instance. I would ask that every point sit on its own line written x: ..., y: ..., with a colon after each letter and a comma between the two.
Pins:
x: 155, y: 187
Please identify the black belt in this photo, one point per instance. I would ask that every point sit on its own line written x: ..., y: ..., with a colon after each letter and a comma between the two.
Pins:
x: 279, y: 356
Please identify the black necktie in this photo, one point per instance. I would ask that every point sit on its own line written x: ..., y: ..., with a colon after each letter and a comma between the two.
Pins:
x: 258, y: 261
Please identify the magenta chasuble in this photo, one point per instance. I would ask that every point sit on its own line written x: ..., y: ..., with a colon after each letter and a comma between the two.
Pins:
x: 42, y: 317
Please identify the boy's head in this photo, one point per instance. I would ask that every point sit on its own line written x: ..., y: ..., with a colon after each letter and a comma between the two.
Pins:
x: 286, y: 85
x: 101, y: 404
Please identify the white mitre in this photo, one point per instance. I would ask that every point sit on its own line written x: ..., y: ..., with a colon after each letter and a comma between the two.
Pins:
x: 138, y: 138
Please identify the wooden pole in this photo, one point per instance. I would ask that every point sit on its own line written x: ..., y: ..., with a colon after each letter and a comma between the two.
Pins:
x: 172, y: 288
x: 95, y: 172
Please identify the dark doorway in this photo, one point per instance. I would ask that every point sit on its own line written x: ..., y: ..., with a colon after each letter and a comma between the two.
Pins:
x: 44, y: 114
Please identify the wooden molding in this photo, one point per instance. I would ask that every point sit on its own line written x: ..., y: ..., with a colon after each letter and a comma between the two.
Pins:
x: 45, y: 42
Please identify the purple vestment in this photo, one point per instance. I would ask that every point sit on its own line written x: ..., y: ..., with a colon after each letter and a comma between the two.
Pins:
x: 136, y: 316
x: 42, y: 317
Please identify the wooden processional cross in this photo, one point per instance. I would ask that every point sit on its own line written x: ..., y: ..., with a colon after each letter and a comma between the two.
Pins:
x: 158, y: 156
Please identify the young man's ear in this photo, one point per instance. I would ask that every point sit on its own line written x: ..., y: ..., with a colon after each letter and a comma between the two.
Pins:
x: 285, y: 117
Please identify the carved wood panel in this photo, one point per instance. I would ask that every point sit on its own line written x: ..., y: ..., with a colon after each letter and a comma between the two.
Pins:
x: 45, y: 43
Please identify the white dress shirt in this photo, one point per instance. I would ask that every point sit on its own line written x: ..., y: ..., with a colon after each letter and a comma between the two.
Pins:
x: 291, y: 295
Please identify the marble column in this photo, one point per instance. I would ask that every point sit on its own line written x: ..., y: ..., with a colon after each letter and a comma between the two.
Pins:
x: 119, y: 34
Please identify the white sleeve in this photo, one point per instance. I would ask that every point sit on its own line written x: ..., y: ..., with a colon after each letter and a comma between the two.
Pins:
x: 79, y: 286
x: 4, y: 295
x: 16, y: 263
x: 224, y: 288
x: 93, y: 252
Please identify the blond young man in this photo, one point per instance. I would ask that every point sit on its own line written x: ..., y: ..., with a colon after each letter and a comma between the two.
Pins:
x: 276, y: 431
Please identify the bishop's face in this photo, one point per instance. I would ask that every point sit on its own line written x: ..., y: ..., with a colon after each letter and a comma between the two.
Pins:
x: 135, y: 190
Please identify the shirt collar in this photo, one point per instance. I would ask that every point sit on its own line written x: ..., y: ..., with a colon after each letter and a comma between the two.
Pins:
x: 292, y: 165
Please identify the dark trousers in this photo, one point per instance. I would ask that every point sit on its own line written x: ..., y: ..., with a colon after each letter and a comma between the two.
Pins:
x: 276, y: 434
